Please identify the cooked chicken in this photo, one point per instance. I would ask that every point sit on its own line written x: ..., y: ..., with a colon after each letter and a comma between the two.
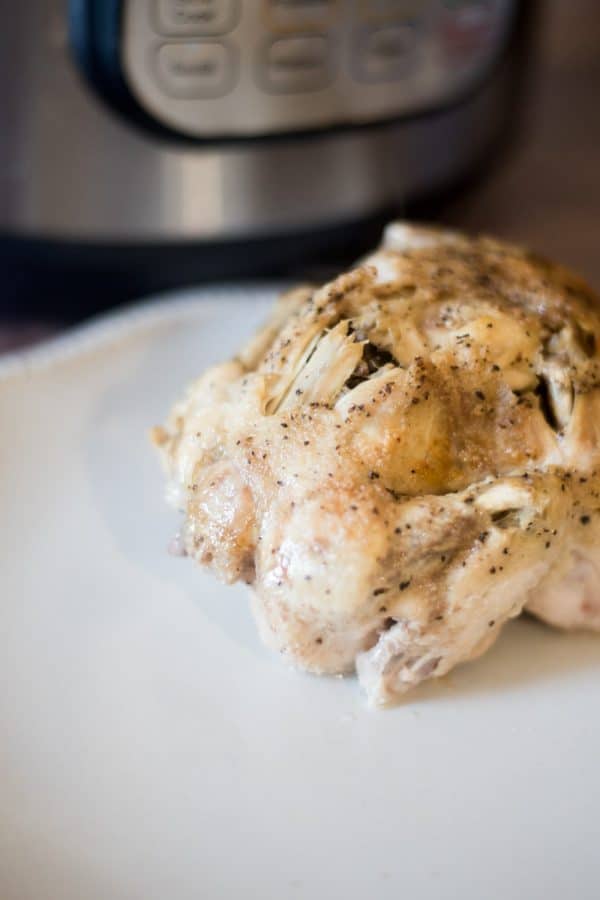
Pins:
x: 403, y: 459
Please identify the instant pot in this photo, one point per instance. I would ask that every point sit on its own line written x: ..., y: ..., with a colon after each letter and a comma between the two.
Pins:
x: 149, y: 143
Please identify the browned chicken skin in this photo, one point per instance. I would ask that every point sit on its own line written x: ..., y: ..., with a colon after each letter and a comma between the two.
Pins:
x: 403, y: 459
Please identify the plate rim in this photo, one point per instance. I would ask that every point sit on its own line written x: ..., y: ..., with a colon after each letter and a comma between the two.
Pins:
x: 106, y: 328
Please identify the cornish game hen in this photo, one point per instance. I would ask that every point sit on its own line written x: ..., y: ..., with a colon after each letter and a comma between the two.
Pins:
x: 403, y: 459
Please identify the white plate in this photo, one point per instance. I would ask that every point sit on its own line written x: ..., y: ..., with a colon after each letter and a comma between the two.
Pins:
x: 150, y: 747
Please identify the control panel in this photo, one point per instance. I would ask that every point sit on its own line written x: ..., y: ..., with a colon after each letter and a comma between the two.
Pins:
x: 247, y: 68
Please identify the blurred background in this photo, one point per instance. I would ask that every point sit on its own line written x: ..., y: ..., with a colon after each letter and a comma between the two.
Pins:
x: 147, y: 145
